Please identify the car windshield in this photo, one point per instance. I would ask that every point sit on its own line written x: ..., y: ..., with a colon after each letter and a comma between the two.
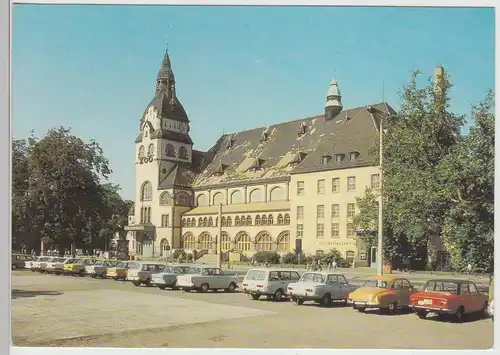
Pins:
x: 89, y: 262
x: 441, y: 286
x: 44, y: 259
x: 194, y: 270
x: 70, y: 261
x: 181, y: 269
x: 375, y: 283
x: 312, y: 277
x: 120, y: 264
x: 168, y: 270
x: 256, y: 275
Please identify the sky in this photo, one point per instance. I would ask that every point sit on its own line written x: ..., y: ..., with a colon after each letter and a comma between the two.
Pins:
x: 93, y: 68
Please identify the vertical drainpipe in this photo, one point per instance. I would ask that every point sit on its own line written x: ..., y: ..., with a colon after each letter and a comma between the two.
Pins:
x: 174, y: 199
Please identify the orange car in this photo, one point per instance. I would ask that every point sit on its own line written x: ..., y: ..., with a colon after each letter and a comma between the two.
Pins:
x: 449, y: 297
x: 386, y: 292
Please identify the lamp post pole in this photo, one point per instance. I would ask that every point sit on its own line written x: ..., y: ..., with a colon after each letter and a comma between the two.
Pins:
x: 219, y: 239
x: 380, y: 246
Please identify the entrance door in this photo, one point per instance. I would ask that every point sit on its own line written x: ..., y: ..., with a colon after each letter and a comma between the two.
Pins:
x: 373, y: 256
x: 147, y: 248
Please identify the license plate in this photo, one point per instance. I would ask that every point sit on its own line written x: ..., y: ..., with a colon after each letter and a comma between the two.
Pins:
x: 427, y: 301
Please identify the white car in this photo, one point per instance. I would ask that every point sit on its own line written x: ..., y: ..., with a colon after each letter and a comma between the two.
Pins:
x: 320, y: 287
x: 142, y: 271
x: 56, y: 265
x: 203, y: 278
x: 491, y: 309
x: 97, y: 268
x: 271, y: 282
x: 43, y: 266
x: 167, y: 277
x: 35, y: 264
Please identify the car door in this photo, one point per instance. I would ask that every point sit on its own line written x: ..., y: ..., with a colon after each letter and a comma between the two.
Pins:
x: 220, y: 281
x: 344, y: 289
x: 397, y: 290
x: 273, y: 281
x: 333, y: 286
x: 477, y: 300
x: 465, y: 298
x: 285, y: 278
x: 405, y: 292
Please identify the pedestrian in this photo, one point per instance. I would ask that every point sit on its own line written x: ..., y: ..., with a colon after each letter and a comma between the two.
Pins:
x: 334, y: 265
x: 469, y: 268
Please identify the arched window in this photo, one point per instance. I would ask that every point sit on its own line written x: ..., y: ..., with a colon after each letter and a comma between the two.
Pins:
x: 141, y: 151
x: 205, y: 241
x: 147, y: 191
x: 287, y: 219
x: 270, y: 220
x: 237, y: 221
x: 188, y: 222
x: 223, y: 221
x: 218, y: 199
x: 202, y: 200
x: 151, y: 150
x: 257, y: 220
x: 243, y: 221
x: 183, y: 199
x: 170, y: 150
x: 249, y: 221
x: 184, y: 222
x: 229, y: 222
x: 256, y: 196
x: 243, y: 242
x: 164, y: 247
x: 210, y: 222
x: 205, y: 222
x: 200, y: 222
x: 236, y: 197
x: 183, y: 153
x: 284, y: 242
x: 264, y: 242
x: 189, y: 241
x: 225, y: 242
x: 193, y: 222
x: 280, y: 219
x: 264, y: 220
x: 165, y: 199
x: 277, y: 194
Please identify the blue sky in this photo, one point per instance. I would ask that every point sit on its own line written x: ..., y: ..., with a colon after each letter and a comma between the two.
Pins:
x: 93, y: 68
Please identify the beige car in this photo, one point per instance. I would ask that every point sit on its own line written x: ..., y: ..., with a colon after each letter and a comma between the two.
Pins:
x: 140, y: 272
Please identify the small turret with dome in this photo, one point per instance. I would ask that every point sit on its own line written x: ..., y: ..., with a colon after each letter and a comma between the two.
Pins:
x: 333, y: 104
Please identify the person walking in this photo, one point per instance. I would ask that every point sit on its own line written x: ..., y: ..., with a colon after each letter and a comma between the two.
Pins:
x: 469, y: 268
x: 334, y: 265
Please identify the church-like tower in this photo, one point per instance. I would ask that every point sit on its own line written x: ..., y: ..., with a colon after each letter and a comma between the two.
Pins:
x: 333, y: 104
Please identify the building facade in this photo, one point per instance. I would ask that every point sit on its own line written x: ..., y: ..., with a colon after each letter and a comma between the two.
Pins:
x: 283, y: 187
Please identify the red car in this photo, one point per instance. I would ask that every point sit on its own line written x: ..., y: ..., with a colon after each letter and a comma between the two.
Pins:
x: 449, y: 297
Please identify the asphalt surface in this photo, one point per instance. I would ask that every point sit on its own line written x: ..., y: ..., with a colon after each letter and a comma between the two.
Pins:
x: 49, y: 310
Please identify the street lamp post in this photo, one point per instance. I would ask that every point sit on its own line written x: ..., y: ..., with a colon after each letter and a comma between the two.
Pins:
x: 380, y: 246
x: 219, y: 239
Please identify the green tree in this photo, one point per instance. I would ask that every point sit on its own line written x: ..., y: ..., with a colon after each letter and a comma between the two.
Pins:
x: 366, y: 219
x: 65, y: 195
x: 418, y: 138
x: 469, y: 173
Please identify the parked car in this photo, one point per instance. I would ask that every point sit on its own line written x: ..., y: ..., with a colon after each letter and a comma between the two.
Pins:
x: 320, y: 287
x: 140, y: 272
x: 203, y: 278
x: 42, y: 266
x: 449, y: 297
x: 119, y: 271
x: 386, y: 292
x: 167, y: 277
x: 35, y: 265
x: 270, y: 282
x: 98, y: 268
x: 56, y: 265
x: 19, y: 261
x: 74, y: 267
x: 29, y: 263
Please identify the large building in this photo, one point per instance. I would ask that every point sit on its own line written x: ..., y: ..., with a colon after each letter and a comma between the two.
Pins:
x: 285, y: 186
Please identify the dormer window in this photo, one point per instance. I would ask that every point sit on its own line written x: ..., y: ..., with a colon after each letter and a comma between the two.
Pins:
x: 339, y: 158
x: 145, y: 133
x: 302, y: 129
x: 264, y: 137
x: 353, y: 155
x: 256, y: 165
x: 230, y: 144
x: 183, y: 153
x: 325, y: 159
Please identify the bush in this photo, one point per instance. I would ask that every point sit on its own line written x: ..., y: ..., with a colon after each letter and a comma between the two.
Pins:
x: 334, y: 254
x: 189, y: 257
x: 271, y: 257
x: 179, y: 254
x: 289, y: 258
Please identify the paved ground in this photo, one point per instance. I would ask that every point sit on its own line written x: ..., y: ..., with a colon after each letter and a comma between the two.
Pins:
x: 49, y: 310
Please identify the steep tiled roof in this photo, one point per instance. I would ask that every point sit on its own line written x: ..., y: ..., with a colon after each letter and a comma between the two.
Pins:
x: 184, y: 174
x: 252, y: 155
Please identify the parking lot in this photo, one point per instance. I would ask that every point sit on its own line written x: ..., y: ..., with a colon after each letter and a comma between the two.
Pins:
x: 50, y: 310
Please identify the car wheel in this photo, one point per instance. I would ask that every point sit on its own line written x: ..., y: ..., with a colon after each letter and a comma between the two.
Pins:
x: 117, y: 278
x: 299, y: 301
x: 361, y: 309
x: 162, y: 287
x: 147, y: 283
x: 232, y: 287
x: 255, y: 296
x: 14, y: 267
x: 81, y: 273
x: 392, y: 307
x: 204, y: 288
x: 327, y: 300
x: 136, y: 283
x: 459, y: 314
x: 278, y: 295
x: 57, y: 273
x: 484, y: 311
x: 93, y: 276
x: 421, y: 315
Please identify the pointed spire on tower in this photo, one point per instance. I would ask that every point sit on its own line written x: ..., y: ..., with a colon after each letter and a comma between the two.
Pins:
x: 333, y: 104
